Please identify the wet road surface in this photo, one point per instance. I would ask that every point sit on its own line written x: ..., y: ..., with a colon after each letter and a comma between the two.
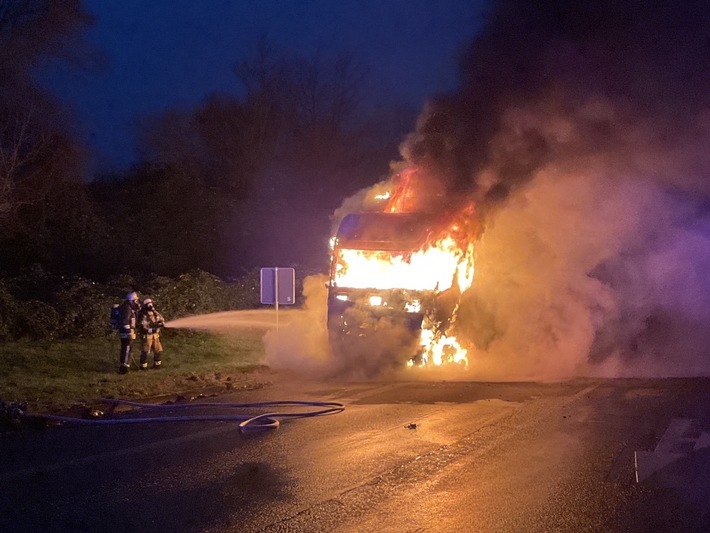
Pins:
x: 403, y: 456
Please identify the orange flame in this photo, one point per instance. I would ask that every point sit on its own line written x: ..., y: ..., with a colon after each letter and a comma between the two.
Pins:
x: 445, y: 263
x: 438, y: 266
x: 434, y: 268
x: 399, y: 200
x: 440, y: 349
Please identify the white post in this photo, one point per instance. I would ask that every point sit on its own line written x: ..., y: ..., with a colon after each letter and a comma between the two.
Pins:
x: 276, y: 295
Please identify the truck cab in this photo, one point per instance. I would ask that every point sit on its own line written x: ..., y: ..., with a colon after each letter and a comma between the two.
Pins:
x: 374, y: 283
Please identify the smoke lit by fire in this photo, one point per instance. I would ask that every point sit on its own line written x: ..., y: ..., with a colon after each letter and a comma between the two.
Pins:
x: 574, y: 162
x: 580, y: 133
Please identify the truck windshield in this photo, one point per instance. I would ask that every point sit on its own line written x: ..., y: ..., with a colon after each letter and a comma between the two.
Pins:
x: 367, y: 269
x: 383, y: 231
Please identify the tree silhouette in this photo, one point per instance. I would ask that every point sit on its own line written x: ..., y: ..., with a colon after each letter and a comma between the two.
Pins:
x: 41, y: 162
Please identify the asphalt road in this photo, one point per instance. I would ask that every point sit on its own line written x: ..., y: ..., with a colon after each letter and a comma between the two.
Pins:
x: 402, y: 457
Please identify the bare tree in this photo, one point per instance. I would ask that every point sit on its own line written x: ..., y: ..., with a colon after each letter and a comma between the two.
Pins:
x: 35, y: 29
x: 171, y: 138
x: 327, y: 92
x: 36, y: 160
x: 40, y: 160
x: 292, y: 147
x: 312, y: 96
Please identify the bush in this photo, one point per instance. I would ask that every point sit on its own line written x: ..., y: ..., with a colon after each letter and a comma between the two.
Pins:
x: 78, y: 307
x: 37, y: 320
x: 32, y: 318
x: 83, y: 307
x: 190, y: 294
x: 245, y: 292
x: 8, y: 314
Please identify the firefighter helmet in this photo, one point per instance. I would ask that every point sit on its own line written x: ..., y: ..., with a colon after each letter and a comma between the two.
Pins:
x: 132, y: 297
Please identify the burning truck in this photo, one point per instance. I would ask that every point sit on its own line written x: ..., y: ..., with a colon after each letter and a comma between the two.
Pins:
x: 399, y: 274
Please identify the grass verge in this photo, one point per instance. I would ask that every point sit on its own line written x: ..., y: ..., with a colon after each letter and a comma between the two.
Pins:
x: 52, y: 375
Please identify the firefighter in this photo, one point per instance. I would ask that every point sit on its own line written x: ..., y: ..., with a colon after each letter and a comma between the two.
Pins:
x: 127, y: 329
x: 149, y: 323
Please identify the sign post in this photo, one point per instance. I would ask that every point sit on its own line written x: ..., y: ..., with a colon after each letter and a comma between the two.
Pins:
x: 278, y: 286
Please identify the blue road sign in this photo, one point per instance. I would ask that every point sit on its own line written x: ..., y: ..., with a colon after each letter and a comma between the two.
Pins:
x: 284, y: 279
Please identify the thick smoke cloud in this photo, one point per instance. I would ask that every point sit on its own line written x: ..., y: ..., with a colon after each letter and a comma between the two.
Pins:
x: 302, y: 344
x: 581, y: 130
x: 647, y: 60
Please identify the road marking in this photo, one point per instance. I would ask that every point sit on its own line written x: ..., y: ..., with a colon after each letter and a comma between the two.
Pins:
x: 669, y: 449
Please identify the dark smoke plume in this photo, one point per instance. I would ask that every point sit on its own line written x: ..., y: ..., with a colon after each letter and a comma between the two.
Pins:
x: 582, y: 132
x: 606, y: 65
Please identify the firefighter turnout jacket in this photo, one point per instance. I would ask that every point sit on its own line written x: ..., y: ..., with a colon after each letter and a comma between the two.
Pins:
x: 150, y: 321
x: 127, y: 321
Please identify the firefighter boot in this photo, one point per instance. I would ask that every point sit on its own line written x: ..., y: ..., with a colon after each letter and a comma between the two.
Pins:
x: 157, y: 360
x: 144, y: 361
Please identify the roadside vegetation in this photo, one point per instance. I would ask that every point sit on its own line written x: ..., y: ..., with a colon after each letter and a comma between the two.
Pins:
x: 38, y: 305
x: 56, y: 345
x: 237, y: 181
x: 49, y: 375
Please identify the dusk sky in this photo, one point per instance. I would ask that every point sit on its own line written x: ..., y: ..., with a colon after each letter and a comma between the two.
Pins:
x: 166, y: 53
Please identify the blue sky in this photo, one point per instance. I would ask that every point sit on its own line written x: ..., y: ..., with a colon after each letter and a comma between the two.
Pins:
x: 163, y: 53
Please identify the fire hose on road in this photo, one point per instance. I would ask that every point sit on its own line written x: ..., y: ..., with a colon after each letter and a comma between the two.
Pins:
x: 247, y: 422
